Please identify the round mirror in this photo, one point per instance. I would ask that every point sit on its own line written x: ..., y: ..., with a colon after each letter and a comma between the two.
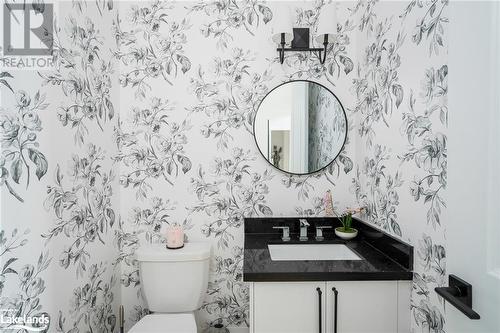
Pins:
x: 300, y: 127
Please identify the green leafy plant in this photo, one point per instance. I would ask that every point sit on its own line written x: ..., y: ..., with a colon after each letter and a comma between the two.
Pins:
x: 346, y: 221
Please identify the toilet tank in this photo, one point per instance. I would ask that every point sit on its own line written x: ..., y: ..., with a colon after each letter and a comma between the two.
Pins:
x: 174, y: 280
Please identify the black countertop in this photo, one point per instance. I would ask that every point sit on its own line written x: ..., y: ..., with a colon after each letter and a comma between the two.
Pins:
x: 383, y: 257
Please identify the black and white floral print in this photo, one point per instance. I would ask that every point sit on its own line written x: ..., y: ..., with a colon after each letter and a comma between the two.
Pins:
x: 428, y: 316
x: 327, y: 127
x: 25, y: 301
x: 431, y: 273
x: 433, y: 256
x: 316, y: 208
x: 153, y: 49
x: 21, y: 155
x: 381, y: 199
x: 377, y: 88
x: 431, y: 25
x: 304, y: 185
x: 153, y: 218
x: 229, y: 99
x: 101, y: 5
x: 82, y: 207
x: 128, y: 243
x: 75, y: 92
x: 228, y: 15
x: 387, y: 100
x: 231, y: 193
x: 365, y: 9
x: 84, y: 75
x: 137, y: 313
x: 154, y: 149
x: 186, y: 119
x: 91, y: 306
x: 5, y: 78
x: 229, y: 307
x: 427, y: 148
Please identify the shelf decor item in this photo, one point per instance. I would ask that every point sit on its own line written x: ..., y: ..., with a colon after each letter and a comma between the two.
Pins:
x: 346, y: 231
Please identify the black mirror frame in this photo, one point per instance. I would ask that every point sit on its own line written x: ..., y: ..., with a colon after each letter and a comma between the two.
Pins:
x: 341, y: 148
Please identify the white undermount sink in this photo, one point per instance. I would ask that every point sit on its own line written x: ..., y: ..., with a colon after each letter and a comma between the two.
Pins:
x: 289, y: 252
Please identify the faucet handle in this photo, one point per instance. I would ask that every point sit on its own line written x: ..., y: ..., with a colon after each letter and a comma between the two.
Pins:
x: 319, y: 231
x: 303, y: 230
x: 304, y: 223
x: 285, y: 237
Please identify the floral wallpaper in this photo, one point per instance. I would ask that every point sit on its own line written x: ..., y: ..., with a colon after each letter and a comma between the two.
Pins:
x: 20, y: 148
x: 400, y: 90
x: 186, y: 138
x: 59, y: 199
x: 146, y: 120
x: 327, y: 127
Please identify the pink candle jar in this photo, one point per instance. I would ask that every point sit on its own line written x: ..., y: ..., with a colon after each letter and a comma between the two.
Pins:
x: 175, y: 237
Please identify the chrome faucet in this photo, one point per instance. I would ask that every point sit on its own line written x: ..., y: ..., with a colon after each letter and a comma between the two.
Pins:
x: 303, y: 229
x: 285, y: 236
x: 319, y: 232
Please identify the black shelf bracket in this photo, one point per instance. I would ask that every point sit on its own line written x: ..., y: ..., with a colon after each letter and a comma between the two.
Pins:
x: 459, y: 294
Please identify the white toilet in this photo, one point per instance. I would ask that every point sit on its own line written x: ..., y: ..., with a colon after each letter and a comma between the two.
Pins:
x: 174, y: 283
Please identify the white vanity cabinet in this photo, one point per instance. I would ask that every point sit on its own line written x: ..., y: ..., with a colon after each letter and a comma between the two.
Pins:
x: 362, y: 307
x: 288, y: 307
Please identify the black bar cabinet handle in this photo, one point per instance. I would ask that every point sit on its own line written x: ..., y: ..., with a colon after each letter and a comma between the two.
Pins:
x: 318, y: 289
x: 336, y: 298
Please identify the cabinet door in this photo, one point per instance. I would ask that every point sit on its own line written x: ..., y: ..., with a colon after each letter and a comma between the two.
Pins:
x: 288, y: 307
x: 362, y: 307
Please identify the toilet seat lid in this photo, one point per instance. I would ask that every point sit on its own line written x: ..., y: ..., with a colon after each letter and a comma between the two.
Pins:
x: 158, y: 252
x: 165, y: 323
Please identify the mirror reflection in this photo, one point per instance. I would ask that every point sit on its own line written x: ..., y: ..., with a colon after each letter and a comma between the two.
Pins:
x: 300, y: 127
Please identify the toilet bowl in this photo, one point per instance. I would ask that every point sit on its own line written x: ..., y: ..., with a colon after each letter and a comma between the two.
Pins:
x: 174, y: 283
x: 166, y: 323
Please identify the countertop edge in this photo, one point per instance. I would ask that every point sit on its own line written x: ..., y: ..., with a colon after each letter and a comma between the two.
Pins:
x: 327, y: 276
